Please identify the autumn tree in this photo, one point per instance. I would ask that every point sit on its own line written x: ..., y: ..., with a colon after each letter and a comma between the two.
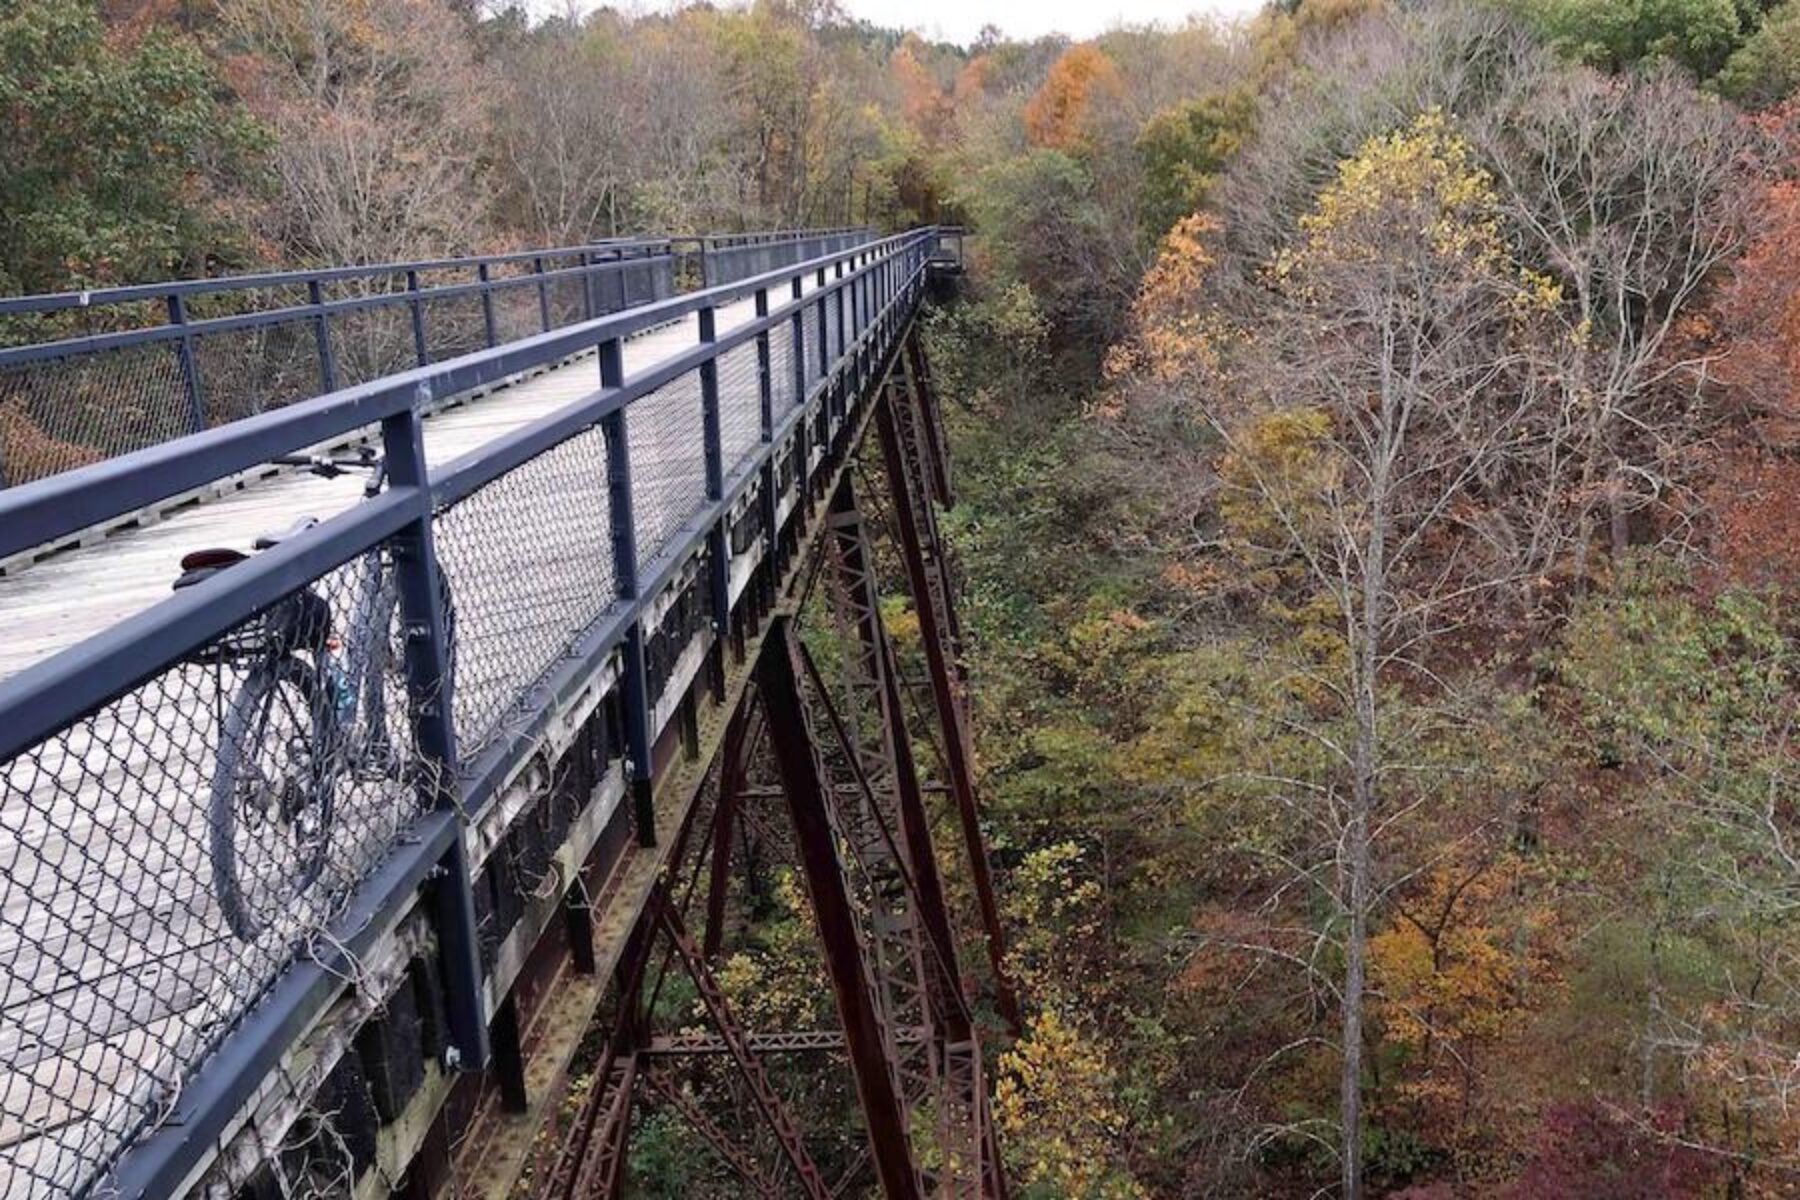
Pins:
x: 1631, y: 195
x: 569, y: 124
x: 1083, y: 80
x: 1694, y: 702
x: 379, y: 113
x: 1379, y: 435
x: 1183, y: 151
x: 120, y: 153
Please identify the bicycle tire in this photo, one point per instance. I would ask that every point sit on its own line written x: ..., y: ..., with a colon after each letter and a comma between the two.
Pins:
x: 244, y: 730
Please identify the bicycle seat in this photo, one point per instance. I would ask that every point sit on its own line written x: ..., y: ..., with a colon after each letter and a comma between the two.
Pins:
x: 204, y: 564
x: 265, y: 541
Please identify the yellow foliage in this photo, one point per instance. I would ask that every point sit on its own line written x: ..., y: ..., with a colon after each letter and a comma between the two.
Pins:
x: 1420, y: 185
x: 1054, y: 911
x: 780, y: 983
x: 1466, y: 962
x: 1279, y: 471
x: 1422, y: 180
x: 1058, y: 1121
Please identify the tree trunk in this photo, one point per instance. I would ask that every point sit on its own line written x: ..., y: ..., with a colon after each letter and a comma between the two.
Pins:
x: 1356, y: 852
x: 1363, y: 798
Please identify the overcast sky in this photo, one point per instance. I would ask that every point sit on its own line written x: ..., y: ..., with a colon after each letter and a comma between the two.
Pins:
x: 960, y: 20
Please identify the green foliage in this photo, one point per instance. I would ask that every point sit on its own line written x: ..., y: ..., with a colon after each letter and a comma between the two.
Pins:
x: 1614, y: 34
x: 107, y: 146
x: 1671, y: 680
x: 1766, y: 69
x: 990, y: 350
x: 1183, y: 150
x: 1047, y: 228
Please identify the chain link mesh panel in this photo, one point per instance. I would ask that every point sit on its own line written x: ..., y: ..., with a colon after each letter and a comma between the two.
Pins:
x: 529, y: 561
x: 516, y: 313
x: 164, y: 859
x: 58, y: 416
x: 454, y: 326
x: 810, y: 341
x: 369, y: 343
x: 834, y: 332
x: 740, y: 404
x: 667, y: 434
x: 784, y: 394
x: 247, y: 371
x: 568, y: 299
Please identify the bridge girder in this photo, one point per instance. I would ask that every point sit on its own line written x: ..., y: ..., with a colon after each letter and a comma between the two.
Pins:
x: 853, y: 813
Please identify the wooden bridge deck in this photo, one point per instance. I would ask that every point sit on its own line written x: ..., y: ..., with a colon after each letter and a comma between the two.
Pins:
x: 93, y: 1024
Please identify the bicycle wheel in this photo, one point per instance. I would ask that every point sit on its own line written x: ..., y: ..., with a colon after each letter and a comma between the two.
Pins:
x: 272, y: 793
x: 384, y: 697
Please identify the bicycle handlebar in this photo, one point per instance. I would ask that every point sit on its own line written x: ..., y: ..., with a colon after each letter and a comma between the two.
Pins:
x: 329, y: 466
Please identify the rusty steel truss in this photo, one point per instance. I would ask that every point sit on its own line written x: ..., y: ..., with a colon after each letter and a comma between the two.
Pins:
x: 797, y: 748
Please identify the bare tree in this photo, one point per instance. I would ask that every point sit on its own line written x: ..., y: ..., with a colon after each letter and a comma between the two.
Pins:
x: 1631, y: 193
x: 379, y: 122
x: 1383, y: 433
x: 567, y: 127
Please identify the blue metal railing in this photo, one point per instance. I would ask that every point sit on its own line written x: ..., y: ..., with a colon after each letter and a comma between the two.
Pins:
x: 822, y: 332
x: 174, y: 358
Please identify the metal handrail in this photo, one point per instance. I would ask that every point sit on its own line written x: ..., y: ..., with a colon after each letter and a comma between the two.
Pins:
x: 44, y: 382
x: 91, y: 298
x: 39, y: 699
x: 873, y: 290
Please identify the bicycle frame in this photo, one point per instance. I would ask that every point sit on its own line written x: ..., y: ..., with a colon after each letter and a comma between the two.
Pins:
x: 366, y: 653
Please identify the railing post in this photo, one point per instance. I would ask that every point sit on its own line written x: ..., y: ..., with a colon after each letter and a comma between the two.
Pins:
x: 485, y: 279
x: 431, y: 702
x: 765, y: 385
x: 190, y: 366
x: 418, y: 318
x: 625, y: 572
x: 589, y: 308
x: 315, y: 295
x: 717, y: 539
x: 838, y: 298
x: 537, y: 268
x: 802, y: 454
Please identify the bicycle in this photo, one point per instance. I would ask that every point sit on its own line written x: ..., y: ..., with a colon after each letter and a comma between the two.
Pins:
x: 310, y: 712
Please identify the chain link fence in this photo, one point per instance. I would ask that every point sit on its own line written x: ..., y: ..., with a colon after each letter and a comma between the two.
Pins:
x: 95, y: 375
x: 88, y: 376
x: 529, y: 560
x: 163, y: 859
x: 167, y: 856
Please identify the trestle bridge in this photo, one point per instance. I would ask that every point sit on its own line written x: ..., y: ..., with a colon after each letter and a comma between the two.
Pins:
x: 422, y: 851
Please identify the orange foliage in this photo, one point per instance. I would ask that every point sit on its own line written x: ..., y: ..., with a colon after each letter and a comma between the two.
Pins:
x: 1754, y: 496
x: 1174, y: 335
x: 1460, y: 969
x: 1056, y: 116
x: 922, y: 101
x: 1761, y: 306
x: 1753, y: 338
x: 973, y: 79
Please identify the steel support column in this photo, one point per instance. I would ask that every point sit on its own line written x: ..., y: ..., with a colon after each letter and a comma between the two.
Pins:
x: 930, y: 591
x: 805, y: 782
